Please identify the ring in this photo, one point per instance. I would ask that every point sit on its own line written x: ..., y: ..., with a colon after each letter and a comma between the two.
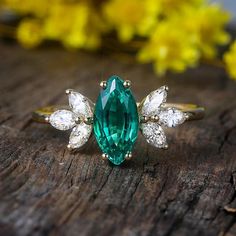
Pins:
x: 116, y: 118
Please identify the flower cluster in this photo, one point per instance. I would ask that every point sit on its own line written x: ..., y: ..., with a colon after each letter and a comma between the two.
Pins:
x: 77, y: 24
x: 230, y: 60
x: 172, y: 34
x: 185, y: 37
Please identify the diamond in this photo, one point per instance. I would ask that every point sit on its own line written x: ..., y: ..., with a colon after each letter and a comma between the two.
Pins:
x: 62, y: 119
x: 80, y: 104
x: 171, y: 117
x: 152, y: 102
x: 80, y: 135
x: 154, y: 134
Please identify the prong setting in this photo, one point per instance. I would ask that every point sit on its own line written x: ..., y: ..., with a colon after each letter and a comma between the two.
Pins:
x: 127, y: 84
x: 69, y: 147
x: 166, y: 147
x: 68, y: 91
x: 166, y: 88
x: 103, y: 84
x: 88, y: 120
x: 128, y: 156
x: 187, y: 116
x: 77, y: 120
x: 154, y: 118
x: 144, y: 119
x: 47, y: 118
x: 104, y: 156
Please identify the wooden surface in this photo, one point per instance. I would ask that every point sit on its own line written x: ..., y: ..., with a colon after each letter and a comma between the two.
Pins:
x: 46, y: 190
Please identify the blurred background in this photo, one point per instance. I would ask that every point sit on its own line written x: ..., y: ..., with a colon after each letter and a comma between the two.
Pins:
x: 230, y: 5
x: 172, y: 35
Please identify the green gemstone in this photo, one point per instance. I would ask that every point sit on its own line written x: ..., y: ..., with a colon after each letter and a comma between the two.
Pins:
x: 116, y: 120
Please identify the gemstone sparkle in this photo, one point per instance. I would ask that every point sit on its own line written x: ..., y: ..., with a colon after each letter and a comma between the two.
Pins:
x: 154, y: 105
x: 81, y: 108
x: 171, y: 117
x: 62, y: 119
x: 154, y: 134
x: 116, y: 120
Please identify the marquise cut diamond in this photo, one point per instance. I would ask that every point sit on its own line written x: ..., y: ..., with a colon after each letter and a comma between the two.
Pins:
x: 62, y: 119
x: 171, y: 117
x: 80, y: 135
x: 153, y: 101
x: 154, y: 134
x: 80, y: 104
x: 158, y: 114
x: 81, y: 111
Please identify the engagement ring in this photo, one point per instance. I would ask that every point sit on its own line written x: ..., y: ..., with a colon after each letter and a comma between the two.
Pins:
x: 116, y: 118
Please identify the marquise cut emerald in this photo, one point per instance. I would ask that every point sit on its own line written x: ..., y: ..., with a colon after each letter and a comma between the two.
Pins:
x: 116, y: 121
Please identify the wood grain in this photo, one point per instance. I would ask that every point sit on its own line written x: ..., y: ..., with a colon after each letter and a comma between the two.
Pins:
x: 46, y: 190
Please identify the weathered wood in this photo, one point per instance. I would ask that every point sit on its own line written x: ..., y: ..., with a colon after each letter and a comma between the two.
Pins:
x: 46, y: 190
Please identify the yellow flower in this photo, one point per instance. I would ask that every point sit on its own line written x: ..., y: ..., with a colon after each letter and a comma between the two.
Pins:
x: 230, y: 61
x: 168, y: 7
x: 170, y: 48
x: 38, y: 8
x: 76, y: 25
x: 29, y: 33
x: 131, y: 17
x: 205, y: 24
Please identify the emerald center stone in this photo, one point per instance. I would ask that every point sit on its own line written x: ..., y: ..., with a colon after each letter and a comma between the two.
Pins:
x: 116, y: 120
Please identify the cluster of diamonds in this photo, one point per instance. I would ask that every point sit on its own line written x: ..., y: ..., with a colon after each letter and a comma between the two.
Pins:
x: 78, y: 118
x: 155, y: 116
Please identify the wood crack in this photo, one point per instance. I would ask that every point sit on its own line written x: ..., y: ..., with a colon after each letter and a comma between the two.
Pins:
x: 139, y: 179
x: 225, y: 139
x: 97, y: 192
x: 223, y: 117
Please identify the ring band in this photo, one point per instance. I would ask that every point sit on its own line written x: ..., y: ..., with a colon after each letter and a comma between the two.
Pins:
x: 116, y: 118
